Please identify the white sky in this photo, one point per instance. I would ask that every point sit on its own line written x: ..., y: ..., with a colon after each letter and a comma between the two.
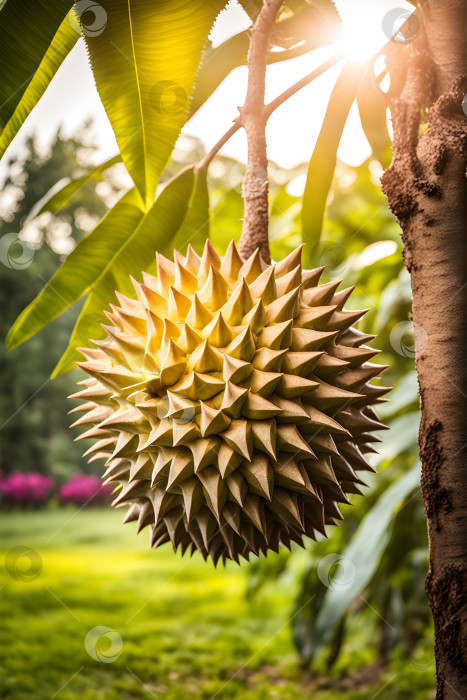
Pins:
x: 293, y: 128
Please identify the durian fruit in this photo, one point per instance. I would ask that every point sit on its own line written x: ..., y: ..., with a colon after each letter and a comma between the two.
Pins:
x: 232, y: 402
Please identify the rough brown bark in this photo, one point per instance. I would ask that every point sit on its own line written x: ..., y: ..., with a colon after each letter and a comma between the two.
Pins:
x: 426, y: 189
x: 253, y: 116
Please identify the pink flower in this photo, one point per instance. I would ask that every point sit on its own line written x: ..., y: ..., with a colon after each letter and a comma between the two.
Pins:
x: 26, y: 489
x: 84, y: 489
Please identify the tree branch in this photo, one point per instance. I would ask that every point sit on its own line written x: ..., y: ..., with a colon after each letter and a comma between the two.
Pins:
x: 253, y: 118
x: 269, y: 108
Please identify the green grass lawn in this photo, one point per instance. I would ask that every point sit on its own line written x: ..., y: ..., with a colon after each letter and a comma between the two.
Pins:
x: 180, y: 628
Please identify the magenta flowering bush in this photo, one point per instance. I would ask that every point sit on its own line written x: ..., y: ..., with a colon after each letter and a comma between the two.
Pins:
x: 84, y: 489
x: 19, y: 489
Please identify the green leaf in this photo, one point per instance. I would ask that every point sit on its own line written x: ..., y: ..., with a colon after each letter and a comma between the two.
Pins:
x: 79, y: 271
x: 195, y: 228
x: 372, y: 110
x: 35, y: 37
x: 156, y: 231
x: 406, y: 428
x: 323, y: 161
x: 405, y: 395
x: 145, y: 62
x: 56, y: 200
x: 360, y: 559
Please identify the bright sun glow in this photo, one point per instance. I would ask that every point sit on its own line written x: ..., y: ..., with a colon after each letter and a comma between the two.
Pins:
x: 369, y: 25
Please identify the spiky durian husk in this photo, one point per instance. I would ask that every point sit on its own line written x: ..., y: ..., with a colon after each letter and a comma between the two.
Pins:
x: 232, y: 402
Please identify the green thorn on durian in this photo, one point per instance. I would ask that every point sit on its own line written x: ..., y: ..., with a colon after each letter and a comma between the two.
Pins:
x: 198, y: 316
x: 239, y: 303
x: 173, y: 364
x: 263, y: 383
x: 300, y: 363
x: 238, y: 487
x: 277, y: 336
x: 255, y: 318
x: 154, y: 301
x: 213, y: 294
x: 198, y: 386
x: 213, y: 421
x: 233, y: 516
x: 254, y: 509
x: 284, y: 307
x: 290, y: 262
x: 228, y: 460
x: 193, y: 498
x: 259, y: 475
x: 209, y: 259
x: 192, y: 260
x: 235, y: 370
x: 292, y: 385
x: 184, y: 433
x: 257, y: 408
x: 238, y: 436
x: 181, y: 468
x: 316, y: 318
x: 205, y: 359
x: 204, y: 452
x: 165, y: 274
x: 264, y: 436
x: 253, y: 267
x: 269, y: 360
x: 179, y: 407
x: 218, y: 331
x: 291, y: 280
x: 304, y: 339
x: 231, y: 264
x: 321, y: 295
x: 189, y: 339
x: 185, y: 282
x: 214, y: 489
x: 242, y: 346
x: 233, y: 400
x: 179, y: 306
x: 289, y: 439
x: 264, y: 286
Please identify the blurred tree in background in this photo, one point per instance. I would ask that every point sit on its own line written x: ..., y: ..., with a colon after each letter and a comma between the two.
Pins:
x: 37, y: 438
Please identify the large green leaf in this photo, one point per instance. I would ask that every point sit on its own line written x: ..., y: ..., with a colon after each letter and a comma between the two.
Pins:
x: 155, y: 232
x: 80, y: 270
x: 360, y: 559
x: 145, y: 62
x: 56, y: 200
x: 195, y: 227
x: 323, y: 161
x: 372, y: 109
x: 35, y: 37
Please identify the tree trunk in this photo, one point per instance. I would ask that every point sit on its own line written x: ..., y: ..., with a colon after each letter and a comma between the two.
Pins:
x: 427, y: 190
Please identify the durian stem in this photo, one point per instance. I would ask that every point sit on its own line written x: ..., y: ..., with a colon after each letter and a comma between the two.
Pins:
x: 253, y: 117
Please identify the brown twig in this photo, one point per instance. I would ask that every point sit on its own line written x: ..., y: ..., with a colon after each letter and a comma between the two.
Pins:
x: 269, y: 108
x: 253, y: 118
